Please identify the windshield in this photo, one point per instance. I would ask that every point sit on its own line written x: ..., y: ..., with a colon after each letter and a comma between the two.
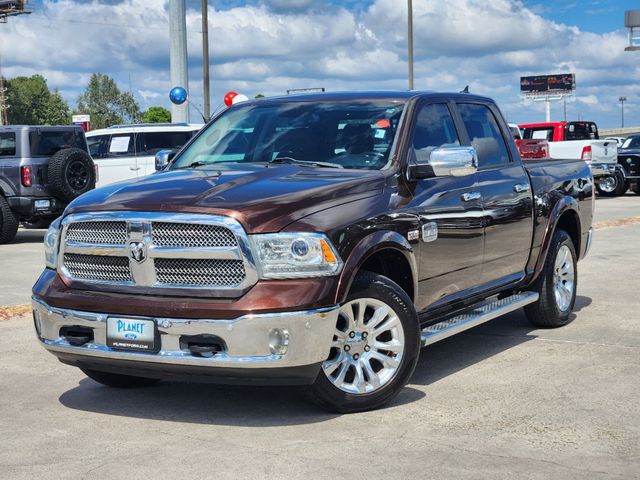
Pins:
x: 355, y: 134
x: 632, y: 142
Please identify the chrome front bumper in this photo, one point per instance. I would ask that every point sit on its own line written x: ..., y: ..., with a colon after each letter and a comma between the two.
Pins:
x: 246, y: 338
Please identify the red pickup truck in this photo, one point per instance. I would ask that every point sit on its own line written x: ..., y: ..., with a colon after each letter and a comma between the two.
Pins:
x: 576, y: 140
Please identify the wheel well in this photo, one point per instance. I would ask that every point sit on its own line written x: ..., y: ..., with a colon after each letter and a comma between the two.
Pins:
x: 393, y: 265
x: 569, y: 222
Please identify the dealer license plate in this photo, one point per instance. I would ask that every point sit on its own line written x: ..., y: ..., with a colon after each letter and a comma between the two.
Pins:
x: 131, y: 334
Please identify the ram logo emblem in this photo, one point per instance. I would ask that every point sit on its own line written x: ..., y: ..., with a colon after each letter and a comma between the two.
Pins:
x: 138, y: 251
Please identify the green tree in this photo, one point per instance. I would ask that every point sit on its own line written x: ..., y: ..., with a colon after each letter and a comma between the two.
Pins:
x: 31, y: 103
x: 57, y: 110
x: 156, y: 115
x: 106, y: 104
x: 259, y: 96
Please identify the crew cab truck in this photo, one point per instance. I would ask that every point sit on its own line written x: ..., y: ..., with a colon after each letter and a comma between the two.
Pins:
x: 629, y: 161
x: 350, y: 231
x: 577, y: 140
x: 42, y: 168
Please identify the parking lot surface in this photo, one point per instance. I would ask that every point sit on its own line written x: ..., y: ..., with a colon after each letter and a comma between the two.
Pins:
x: 502, y: 400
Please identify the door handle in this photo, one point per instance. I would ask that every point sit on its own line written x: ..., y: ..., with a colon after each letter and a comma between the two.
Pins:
x: 521, y: 187
x: 134, y: 169
x: 471, y: 196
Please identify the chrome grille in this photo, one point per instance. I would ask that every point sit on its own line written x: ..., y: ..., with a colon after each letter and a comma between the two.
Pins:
x: 98, y: 233
x: 165, y: 234
x: 98, y: 268
x: 157, y: 252
x: 199, y: 272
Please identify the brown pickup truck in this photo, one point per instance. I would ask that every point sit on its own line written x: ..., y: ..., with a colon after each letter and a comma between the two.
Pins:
x: 318, y: 240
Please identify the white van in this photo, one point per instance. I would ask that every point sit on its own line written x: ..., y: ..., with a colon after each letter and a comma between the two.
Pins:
x: 123, y: 152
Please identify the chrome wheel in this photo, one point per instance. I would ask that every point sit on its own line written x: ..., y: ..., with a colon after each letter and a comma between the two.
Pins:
x: 608, y: 184
x: 367, y: 349
x: 564, y: 278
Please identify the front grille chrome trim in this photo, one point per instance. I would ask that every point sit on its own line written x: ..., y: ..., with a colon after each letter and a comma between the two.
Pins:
x: 139, y: 231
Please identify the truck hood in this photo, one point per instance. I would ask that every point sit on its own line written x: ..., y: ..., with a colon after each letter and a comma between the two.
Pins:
x: 263, y: 198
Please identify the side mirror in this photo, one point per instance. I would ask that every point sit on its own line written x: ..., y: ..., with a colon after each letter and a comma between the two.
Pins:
x: 445, y: 162
x: 163, y: 157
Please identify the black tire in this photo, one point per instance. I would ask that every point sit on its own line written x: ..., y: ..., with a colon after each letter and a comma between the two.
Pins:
x: 636, y: 188
x: 612, y: 185
x: 115, y: 380
x: 71, y: 173
x: 548, y: 312
x: 8, y: 222
x: 381, y: 289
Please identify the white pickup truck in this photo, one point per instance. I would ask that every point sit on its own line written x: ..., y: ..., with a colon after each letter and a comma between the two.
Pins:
x: 581, y: 140
x: 125, y: 152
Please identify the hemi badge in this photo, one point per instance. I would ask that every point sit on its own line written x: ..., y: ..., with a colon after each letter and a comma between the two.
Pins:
x: 413, y: 235
x: 430, y: 232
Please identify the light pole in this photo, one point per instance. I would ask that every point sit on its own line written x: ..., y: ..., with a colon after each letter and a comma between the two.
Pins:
x: 410, y: 41
x: 622, y: 100
x: 205, y: 57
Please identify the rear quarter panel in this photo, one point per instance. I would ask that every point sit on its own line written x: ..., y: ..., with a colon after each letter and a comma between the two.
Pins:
x: 559, y: 187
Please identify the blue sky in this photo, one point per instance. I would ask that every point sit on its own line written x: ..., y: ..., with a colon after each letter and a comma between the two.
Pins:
x: 269, y: 46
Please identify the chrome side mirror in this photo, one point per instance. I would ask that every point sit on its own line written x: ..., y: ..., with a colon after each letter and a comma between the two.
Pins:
x: 445, y: 162
x: 163, y: 157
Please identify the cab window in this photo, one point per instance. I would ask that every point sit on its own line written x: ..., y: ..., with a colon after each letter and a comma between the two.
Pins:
x: 7, y: 144
x: 484, y: 133
x: 434, y: 128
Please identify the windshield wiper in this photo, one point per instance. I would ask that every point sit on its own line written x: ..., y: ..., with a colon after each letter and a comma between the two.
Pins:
x: 200, y: 163
x: 305, y: 162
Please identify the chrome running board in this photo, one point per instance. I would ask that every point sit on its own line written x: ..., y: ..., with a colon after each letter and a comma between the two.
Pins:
x: 476, y: 316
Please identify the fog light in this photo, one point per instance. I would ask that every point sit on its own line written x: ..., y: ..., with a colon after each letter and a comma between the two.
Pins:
x: 278, y: 341
x: 36, y: 323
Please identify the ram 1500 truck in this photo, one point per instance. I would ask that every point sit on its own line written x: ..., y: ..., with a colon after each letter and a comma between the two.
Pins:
x: 318, y: 240
x: 576, y: 140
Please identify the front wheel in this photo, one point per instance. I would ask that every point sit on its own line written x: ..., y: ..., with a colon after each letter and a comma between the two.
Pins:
x: 375, y: 347
x: 612, y: 185
x: 557, y: 285
x: 115, y: 380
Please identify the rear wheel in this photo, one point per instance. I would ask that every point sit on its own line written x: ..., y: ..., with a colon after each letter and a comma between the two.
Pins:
x: 118, y: 381
x: 612, y: 185
x: 375, y: 347
x: 557, y: 285
x: 8, y: 222
x: 636, y: 188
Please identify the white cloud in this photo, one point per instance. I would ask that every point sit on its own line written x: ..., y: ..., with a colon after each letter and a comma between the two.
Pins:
x: 276, y: 45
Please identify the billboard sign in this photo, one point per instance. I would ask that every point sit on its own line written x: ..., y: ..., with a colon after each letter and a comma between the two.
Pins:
x: 562, y: 83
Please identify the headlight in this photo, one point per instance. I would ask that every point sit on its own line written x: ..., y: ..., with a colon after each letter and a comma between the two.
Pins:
x: 52, y: 244
x: 295, y: 255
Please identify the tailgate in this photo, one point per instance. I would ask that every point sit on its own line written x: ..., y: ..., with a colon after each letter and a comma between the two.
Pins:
x: 604, y: 151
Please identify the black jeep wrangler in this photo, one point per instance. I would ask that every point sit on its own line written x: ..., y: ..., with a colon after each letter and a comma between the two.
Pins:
x: 41, y: 170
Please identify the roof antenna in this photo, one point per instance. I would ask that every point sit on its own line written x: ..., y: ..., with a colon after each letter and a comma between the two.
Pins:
x: 465, y: 90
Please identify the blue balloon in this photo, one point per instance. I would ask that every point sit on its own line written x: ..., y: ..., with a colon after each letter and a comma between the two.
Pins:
x: 178, y: 95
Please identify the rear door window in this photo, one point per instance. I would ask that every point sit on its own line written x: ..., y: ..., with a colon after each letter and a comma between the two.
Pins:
x: 484, y: 133
x: 45, y: 143
x: 7, y: 144
x: 153, y: 142
x: 122, y: 146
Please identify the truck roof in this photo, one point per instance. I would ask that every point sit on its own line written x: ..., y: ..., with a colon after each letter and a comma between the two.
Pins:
x: 365, y: 95
x: 551, y: 124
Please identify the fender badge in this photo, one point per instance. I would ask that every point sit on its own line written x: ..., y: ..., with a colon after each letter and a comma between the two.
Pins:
x: 413, y: 235
x: 430, y: 232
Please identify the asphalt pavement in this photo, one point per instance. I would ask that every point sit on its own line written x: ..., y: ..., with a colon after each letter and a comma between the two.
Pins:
x: 503, y: 400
